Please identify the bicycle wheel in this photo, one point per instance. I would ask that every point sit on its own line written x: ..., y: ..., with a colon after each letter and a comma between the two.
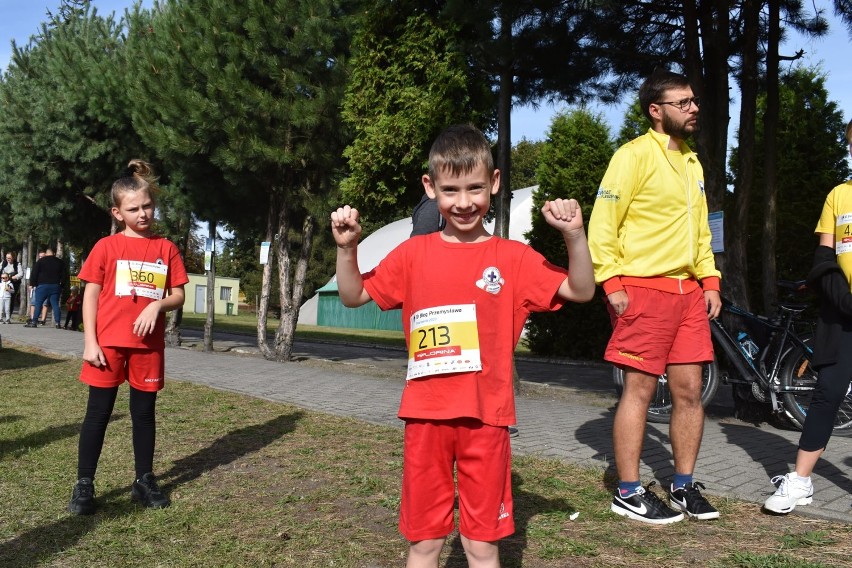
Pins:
x: 796, y: 371
x: 660, y: 410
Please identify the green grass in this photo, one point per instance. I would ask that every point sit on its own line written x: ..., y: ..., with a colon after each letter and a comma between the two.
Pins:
x: 256, y: 483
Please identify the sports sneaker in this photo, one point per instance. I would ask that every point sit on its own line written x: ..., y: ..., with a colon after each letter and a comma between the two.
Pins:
x: 690, y: 500
x: 146, y: 491
x: 83, y: 497
x: 645, y: 507
x: 791, y: 491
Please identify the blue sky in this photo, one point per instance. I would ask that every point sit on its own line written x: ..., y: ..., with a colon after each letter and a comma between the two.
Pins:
x: 21, y: 19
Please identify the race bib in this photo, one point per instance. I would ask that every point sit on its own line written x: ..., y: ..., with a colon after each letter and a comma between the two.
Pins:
x: 843, y: 234
x: 443, y: 340
x: 136, y: 278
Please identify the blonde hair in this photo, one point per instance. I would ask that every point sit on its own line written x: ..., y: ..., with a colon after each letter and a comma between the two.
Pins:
x: 139, y: 176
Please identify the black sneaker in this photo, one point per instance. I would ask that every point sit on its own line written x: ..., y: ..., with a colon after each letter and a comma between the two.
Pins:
x: 690, y: 500
x: 147, y: 492
x: 83, y: 497
x: 645, y: 507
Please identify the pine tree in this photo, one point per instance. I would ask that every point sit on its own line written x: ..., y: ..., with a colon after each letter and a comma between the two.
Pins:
x: 574, y: 158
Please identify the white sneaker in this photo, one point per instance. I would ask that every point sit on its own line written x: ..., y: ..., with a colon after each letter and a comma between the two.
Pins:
x: 792, y: 490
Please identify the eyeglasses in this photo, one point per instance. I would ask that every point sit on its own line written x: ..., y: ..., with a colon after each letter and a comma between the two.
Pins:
x: 683, y: 104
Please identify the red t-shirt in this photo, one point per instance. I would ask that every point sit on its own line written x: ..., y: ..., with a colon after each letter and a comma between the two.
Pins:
x: 118, y: 309
x: 505, y: 280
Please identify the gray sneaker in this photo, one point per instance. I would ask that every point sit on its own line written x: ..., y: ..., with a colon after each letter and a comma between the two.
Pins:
x: 791, y: 491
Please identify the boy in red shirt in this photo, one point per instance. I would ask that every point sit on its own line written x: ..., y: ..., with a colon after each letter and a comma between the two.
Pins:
x: 465, y: 296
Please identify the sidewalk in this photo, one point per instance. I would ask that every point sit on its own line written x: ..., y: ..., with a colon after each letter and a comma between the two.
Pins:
x: 736, y: 460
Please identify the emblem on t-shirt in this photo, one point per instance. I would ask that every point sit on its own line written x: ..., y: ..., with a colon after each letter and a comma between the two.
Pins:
x: 491, y: 280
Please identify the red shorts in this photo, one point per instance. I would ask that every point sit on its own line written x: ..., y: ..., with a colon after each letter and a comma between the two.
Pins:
x: 660, y: 328
x: 483, y: 458
x: 142, y: 368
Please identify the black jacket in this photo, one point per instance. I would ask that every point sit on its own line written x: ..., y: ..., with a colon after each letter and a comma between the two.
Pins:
x: 835, y: 314
x: 47, y: 270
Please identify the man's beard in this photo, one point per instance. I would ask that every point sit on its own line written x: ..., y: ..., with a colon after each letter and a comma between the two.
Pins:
x: 679, y: 131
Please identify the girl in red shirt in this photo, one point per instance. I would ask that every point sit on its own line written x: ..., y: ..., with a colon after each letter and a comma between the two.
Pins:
x: 133, y: 278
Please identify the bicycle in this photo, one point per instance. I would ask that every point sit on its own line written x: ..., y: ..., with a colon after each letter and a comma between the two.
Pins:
x: 770, y: 356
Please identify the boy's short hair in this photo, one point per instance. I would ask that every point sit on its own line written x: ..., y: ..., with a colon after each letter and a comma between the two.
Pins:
x: 459, y: 150
x: 849, y: 132
x: 654, y: 87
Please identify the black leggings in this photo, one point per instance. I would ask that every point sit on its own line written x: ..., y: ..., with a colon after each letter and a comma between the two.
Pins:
x: 829, y: 393
x: 98, y: 411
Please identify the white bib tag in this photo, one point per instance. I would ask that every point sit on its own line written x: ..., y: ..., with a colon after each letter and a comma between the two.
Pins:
x: 137, y: 278
x: 443, y: 339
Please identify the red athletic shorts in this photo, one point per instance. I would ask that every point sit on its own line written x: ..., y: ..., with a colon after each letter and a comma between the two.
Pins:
x: 483, y: 458
x: 660, y: 328
x: 142, y: 368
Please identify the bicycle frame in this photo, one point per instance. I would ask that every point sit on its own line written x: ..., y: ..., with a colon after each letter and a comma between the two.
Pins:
x: 782, y: 339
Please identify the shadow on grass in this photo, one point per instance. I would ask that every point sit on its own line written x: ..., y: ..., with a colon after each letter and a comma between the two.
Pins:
x: 17, y: 360
x: 41, y: 544
x: 228, y: 448
x: 20, y: 446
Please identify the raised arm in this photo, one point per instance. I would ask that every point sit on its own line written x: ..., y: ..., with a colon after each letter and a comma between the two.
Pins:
x: 346, y: 231
x: 566, y: 216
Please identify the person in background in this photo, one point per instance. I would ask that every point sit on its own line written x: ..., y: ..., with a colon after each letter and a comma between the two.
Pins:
x: 12, y: 267
x: 132, y: 278
x: 7, y: 292
x: 831, y: 278
x: 46, y: 279
x: 650, y: 241
x: 72, y: 308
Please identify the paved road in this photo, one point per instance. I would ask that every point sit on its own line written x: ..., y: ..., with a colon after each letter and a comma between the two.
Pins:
x: 564, y: 412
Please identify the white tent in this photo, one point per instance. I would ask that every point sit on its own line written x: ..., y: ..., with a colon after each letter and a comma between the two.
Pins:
x: 377, y: 246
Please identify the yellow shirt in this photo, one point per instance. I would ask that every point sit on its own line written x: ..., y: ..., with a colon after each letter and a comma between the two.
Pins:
x: 650, y: 217
x: 836, y: 219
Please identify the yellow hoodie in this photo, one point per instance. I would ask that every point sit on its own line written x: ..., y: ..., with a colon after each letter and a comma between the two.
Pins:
x: 650, y: 220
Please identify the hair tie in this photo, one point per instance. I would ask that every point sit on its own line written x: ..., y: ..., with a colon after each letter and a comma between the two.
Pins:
x: 127, y: 172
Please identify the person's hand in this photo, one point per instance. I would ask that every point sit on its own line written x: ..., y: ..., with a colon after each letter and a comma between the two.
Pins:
x: 93, y: 355
x: 713, y: 300
x: 565, y: 215
x: 619, y: 301
x: 345, y: 227
x: 147, y: 320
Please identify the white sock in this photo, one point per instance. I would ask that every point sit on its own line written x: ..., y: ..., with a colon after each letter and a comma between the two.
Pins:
x: 804, y: 479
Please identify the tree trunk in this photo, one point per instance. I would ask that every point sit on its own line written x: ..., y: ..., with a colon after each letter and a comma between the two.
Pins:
x: 211, y: 286
x: 291, y: 296
x: 26, y: 261
x: 770, y: 129
x: 706, y: 64
x: 173, y: 322
x: 737, y: 233
x: 266, y: 285
x: 502, y: 203
x: 173, y: 338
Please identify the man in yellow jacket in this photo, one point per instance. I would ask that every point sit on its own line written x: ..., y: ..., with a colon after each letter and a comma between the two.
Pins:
x: 650, y: 242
